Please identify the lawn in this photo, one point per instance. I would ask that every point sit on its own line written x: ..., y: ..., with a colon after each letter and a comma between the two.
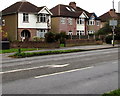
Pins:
x: 113, y: 93
x: 16, y: 50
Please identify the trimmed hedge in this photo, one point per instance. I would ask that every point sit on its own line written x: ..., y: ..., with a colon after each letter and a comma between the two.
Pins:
x: 22, y: 55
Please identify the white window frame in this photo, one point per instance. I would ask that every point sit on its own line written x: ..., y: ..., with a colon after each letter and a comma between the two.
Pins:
x: 63, y: 20
x: 80, y: 21
x: 98, y: 23
x: 91, y: 32
x: 70, y: 33
x: 80, y: 32
x: 25, y: 17
x: 41, y: 33
x: 91, y: 22
x: 70, y: 21
x: 41, y: 18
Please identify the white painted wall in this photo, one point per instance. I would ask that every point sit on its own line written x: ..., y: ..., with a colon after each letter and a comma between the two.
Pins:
x: 32, y: 22
x: 80, y: 27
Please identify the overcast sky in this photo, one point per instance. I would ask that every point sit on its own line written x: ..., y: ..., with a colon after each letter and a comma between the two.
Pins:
x: 97, y: 6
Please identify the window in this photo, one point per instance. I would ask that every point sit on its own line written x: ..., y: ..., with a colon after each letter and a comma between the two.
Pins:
x: 63, y: 20
x: 70, y: 33
x: 80, y: 32
x: 25, y: 17
x: 98, y: 23
x: 41, y: 18
x: 91, y: 22
x: 68, y: 8
x: 3, y: 22
x: 91, y: 32
x: 41, y: 33
x: 80, y: 21
x: 70, y: 21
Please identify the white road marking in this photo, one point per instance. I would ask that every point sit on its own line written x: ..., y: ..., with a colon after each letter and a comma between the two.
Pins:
x: 49, y: 66
x: 62, y: 72
x: 57, y: 66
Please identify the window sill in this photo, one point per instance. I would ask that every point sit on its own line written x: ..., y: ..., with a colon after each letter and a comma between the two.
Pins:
x: 41, y: 22
x: 25, y: 22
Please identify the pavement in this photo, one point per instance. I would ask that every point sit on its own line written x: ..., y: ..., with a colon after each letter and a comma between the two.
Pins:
x: 87, y: 47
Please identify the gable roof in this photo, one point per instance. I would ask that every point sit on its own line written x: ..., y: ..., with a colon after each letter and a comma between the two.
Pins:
x: 67, y: 11
x: 22, y: 7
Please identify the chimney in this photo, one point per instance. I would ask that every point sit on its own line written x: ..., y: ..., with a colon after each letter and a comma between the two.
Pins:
x: 72, y: 4
x: 112, y: 13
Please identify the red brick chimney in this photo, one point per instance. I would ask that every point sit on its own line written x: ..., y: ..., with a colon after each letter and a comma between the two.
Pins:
x: 73, y: 4
x: 112, y: 13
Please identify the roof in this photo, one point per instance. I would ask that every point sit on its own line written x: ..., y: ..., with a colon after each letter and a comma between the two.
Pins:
x: 108, y: 15
x: 67, y: 11
x: 21, y: 7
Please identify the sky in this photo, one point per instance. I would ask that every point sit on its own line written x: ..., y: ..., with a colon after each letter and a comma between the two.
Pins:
x: 97, y: 6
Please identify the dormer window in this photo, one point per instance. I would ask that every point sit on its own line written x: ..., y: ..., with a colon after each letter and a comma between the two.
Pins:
x: 25, y: 17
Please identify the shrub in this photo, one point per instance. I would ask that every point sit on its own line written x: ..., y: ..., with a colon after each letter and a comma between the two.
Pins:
x: 50, y: 37
x: 108, y: 39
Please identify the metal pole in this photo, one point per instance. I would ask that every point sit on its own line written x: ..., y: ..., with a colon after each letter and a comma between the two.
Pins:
x: 113, y: 26
x: 113, y: 35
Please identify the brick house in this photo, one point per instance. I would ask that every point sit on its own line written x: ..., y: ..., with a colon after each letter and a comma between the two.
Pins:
x: 74, y: 20
x: 109, y: 16
x: 24, y: 20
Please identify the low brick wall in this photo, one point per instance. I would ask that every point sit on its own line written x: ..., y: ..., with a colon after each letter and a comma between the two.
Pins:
x: 80, y: 42
x: 34, y: 44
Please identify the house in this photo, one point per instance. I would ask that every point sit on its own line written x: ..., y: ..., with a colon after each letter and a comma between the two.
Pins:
x: 73, y: 20
x: 109, y: 16
x: 24, y: 20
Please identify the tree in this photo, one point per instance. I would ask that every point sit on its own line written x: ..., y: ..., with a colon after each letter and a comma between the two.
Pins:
x: 106, y: 30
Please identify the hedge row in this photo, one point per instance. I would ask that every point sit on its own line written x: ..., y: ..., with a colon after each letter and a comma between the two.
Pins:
x: 22, y: 55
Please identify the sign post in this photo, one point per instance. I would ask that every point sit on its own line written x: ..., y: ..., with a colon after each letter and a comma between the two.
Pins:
x: 113, y: 23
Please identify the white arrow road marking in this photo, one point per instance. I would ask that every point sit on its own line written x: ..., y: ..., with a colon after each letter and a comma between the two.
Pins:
x: 62, y: 72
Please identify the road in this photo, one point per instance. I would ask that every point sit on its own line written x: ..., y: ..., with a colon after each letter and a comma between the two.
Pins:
x: 90, y: 72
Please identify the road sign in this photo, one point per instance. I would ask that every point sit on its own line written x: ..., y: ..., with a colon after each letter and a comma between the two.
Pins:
x: 113, y: 22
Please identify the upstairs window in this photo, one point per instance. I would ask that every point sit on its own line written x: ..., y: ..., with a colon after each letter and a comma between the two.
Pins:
x: 63, y: 20
x: 80, y: 21
x: 41, y: 18
x: 91, y: 22
x: 25, y: 17
x: 70, y: 21
x: 98, y: 23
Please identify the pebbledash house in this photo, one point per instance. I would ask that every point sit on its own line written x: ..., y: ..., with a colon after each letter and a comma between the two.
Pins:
x: 74, y: 20
x: 24, y: 20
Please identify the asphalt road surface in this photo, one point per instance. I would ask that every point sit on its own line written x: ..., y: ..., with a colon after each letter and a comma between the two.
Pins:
x: 90, y: 72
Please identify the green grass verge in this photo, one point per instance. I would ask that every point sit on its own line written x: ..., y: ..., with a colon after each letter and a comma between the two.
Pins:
x: 22, y: 55
x: 16, y: 50
x: 113, y: 93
